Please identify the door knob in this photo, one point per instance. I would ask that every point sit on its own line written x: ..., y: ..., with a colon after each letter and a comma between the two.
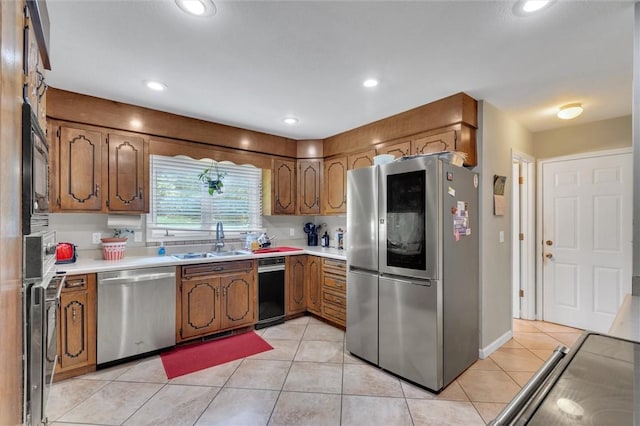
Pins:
x: 549, y: 256
x: 549, y: 242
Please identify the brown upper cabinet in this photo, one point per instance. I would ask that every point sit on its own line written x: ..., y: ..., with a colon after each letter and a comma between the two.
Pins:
x: 284, y: 187
x: 400, y: 149
x: 309, y: 186
x: 34, y: 73
x: 441, y: 142
x: 335, y: 186
x: 95, y: 170
x: 361, y: 159
x: 127, y: 173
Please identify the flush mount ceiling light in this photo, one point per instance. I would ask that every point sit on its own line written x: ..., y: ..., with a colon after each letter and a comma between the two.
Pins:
x: 528, y: 7
x: 569, y: 111
x: 197, y: 7
x: 155, y: 85
x: 290, y: 120
x: 371, y: 82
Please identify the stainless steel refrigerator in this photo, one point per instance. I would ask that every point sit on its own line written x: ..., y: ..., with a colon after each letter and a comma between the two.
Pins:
x: 412, y: 268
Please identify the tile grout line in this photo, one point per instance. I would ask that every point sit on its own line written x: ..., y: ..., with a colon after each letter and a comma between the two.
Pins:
x: 287, y: 375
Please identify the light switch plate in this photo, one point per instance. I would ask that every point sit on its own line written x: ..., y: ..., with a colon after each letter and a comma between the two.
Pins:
x: 292, y: 232
x: 137, y: 236
x: 95, y: 237
x: 501, y: 237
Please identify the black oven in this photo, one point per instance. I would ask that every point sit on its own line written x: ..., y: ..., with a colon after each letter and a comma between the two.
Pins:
x: 35, y: 174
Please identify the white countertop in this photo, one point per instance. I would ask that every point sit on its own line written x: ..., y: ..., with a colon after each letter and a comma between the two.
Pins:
x: 90, y: 261
x: 626, y: 325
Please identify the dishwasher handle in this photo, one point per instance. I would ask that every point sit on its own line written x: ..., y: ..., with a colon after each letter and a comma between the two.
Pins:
x: 270, y: 268
x: 137, y: 278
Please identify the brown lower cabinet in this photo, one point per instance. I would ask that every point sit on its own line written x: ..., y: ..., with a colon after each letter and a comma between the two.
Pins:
x: 334, y: 291
x: 295, y: 294
x: 77, y: 327
x: 213, y: 297
x: 312, y: 285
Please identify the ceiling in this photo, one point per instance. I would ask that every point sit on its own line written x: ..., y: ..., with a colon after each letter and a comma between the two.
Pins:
x: 255, y: 62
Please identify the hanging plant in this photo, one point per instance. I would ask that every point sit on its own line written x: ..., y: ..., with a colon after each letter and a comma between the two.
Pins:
x: 212, y: 177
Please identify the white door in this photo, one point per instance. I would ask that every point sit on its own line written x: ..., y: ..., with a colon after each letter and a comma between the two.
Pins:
x: 587, y: 239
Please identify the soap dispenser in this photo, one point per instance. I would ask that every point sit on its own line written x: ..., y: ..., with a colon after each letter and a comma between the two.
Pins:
x: 161, y: 249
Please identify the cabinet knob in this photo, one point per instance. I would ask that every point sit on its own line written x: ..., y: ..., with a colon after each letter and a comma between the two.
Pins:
x: 97, y: 189
x: 140, y: 192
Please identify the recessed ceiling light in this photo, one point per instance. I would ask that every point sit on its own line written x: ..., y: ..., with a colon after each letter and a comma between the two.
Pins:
x: 290, y: 120
x: 534, y: 5
x: 569, y: 111
x: 371, y: 82
x: 155, y: 85
x: 528, y: 7
x: 197, y: 7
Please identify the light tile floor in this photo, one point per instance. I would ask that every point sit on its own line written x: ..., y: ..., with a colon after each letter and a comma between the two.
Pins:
x: 308, y: 379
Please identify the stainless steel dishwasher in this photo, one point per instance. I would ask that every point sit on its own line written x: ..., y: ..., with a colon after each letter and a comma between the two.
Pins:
x: 136, y: 312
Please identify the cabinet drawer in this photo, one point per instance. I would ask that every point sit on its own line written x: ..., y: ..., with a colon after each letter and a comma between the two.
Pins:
x: 75, y: 283
x: 334, y: 282
x: 334, y: 298
x: 215, y: 268
x: 334, y: 313
x: 334, y: 266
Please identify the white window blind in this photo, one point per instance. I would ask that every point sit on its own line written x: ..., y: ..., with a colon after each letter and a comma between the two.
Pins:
x: 181, y: 203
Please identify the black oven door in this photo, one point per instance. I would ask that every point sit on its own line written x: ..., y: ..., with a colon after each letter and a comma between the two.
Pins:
x: 35, y: 173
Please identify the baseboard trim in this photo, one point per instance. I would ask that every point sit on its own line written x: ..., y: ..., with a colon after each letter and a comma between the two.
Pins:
x: 493, y: 346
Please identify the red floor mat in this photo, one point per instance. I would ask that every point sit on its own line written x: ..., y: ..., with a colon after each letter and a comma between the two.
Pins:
x: 187, y: 359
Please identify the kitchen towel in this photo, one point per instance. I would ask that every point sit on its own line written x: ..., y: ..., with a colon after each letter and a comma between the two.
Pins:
x: 187, y: 359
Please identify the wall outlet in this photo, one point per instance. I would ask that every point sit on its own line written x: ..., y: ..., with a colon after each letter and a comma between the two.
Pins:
x: 501, y: 236
x: 137, y: 236
x: 95, y: 237
x: 292, y: 232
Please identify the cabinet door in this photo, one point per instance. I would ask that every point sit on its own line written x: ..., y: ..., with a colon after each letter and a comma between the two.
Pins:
x: 77, y: 324
x: 309, y: 186
x: 126, y: 174
x: 335, y: 185
x: 295, y: 288
x: 314, y: 290
x: 361, y: 159
x: 73, y: 329
x: 80, y: 170
x: 238, y: 296
x: 200, y: 306
x: 402, y: 149
x: 284, y: 191
x: 434, y: 143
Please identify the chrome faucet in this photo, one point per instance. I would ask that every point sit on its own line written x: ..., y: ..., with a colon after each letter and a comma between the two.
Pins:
x: 219, y: 236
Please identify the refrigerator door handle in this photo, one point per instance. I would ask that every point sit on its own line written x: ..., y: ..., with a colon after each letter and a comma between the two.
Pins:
x: 362, y: 270
x: 407, y: 280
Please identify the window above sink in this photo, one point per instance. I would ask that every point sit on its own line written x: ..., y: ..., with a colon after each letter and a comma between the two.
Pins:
x: 182, y: 209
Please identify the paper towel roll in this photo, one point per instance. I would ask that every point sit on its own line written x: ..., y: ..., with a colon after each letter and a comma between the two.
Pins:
x: 128, y: 221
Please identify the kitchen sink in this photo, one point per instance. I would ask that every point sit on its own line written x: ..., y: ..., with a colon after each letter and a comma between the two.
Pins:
x: 201, y: 255
x: 228, y: 253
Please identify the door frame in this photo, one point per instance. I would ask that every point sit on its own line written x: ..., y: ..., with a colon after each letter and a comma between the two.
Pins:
x: 539, y: 224
x: 523, y: 220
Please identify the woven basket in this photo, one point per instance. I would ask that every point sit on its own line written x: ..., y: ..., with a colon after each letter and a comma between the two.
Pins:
x: 113, y: 251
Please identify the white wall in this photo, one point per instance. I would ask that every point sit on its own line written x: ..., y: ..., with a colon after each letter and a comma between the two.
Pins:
x: 596, y: 136
x: 498, y: 135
